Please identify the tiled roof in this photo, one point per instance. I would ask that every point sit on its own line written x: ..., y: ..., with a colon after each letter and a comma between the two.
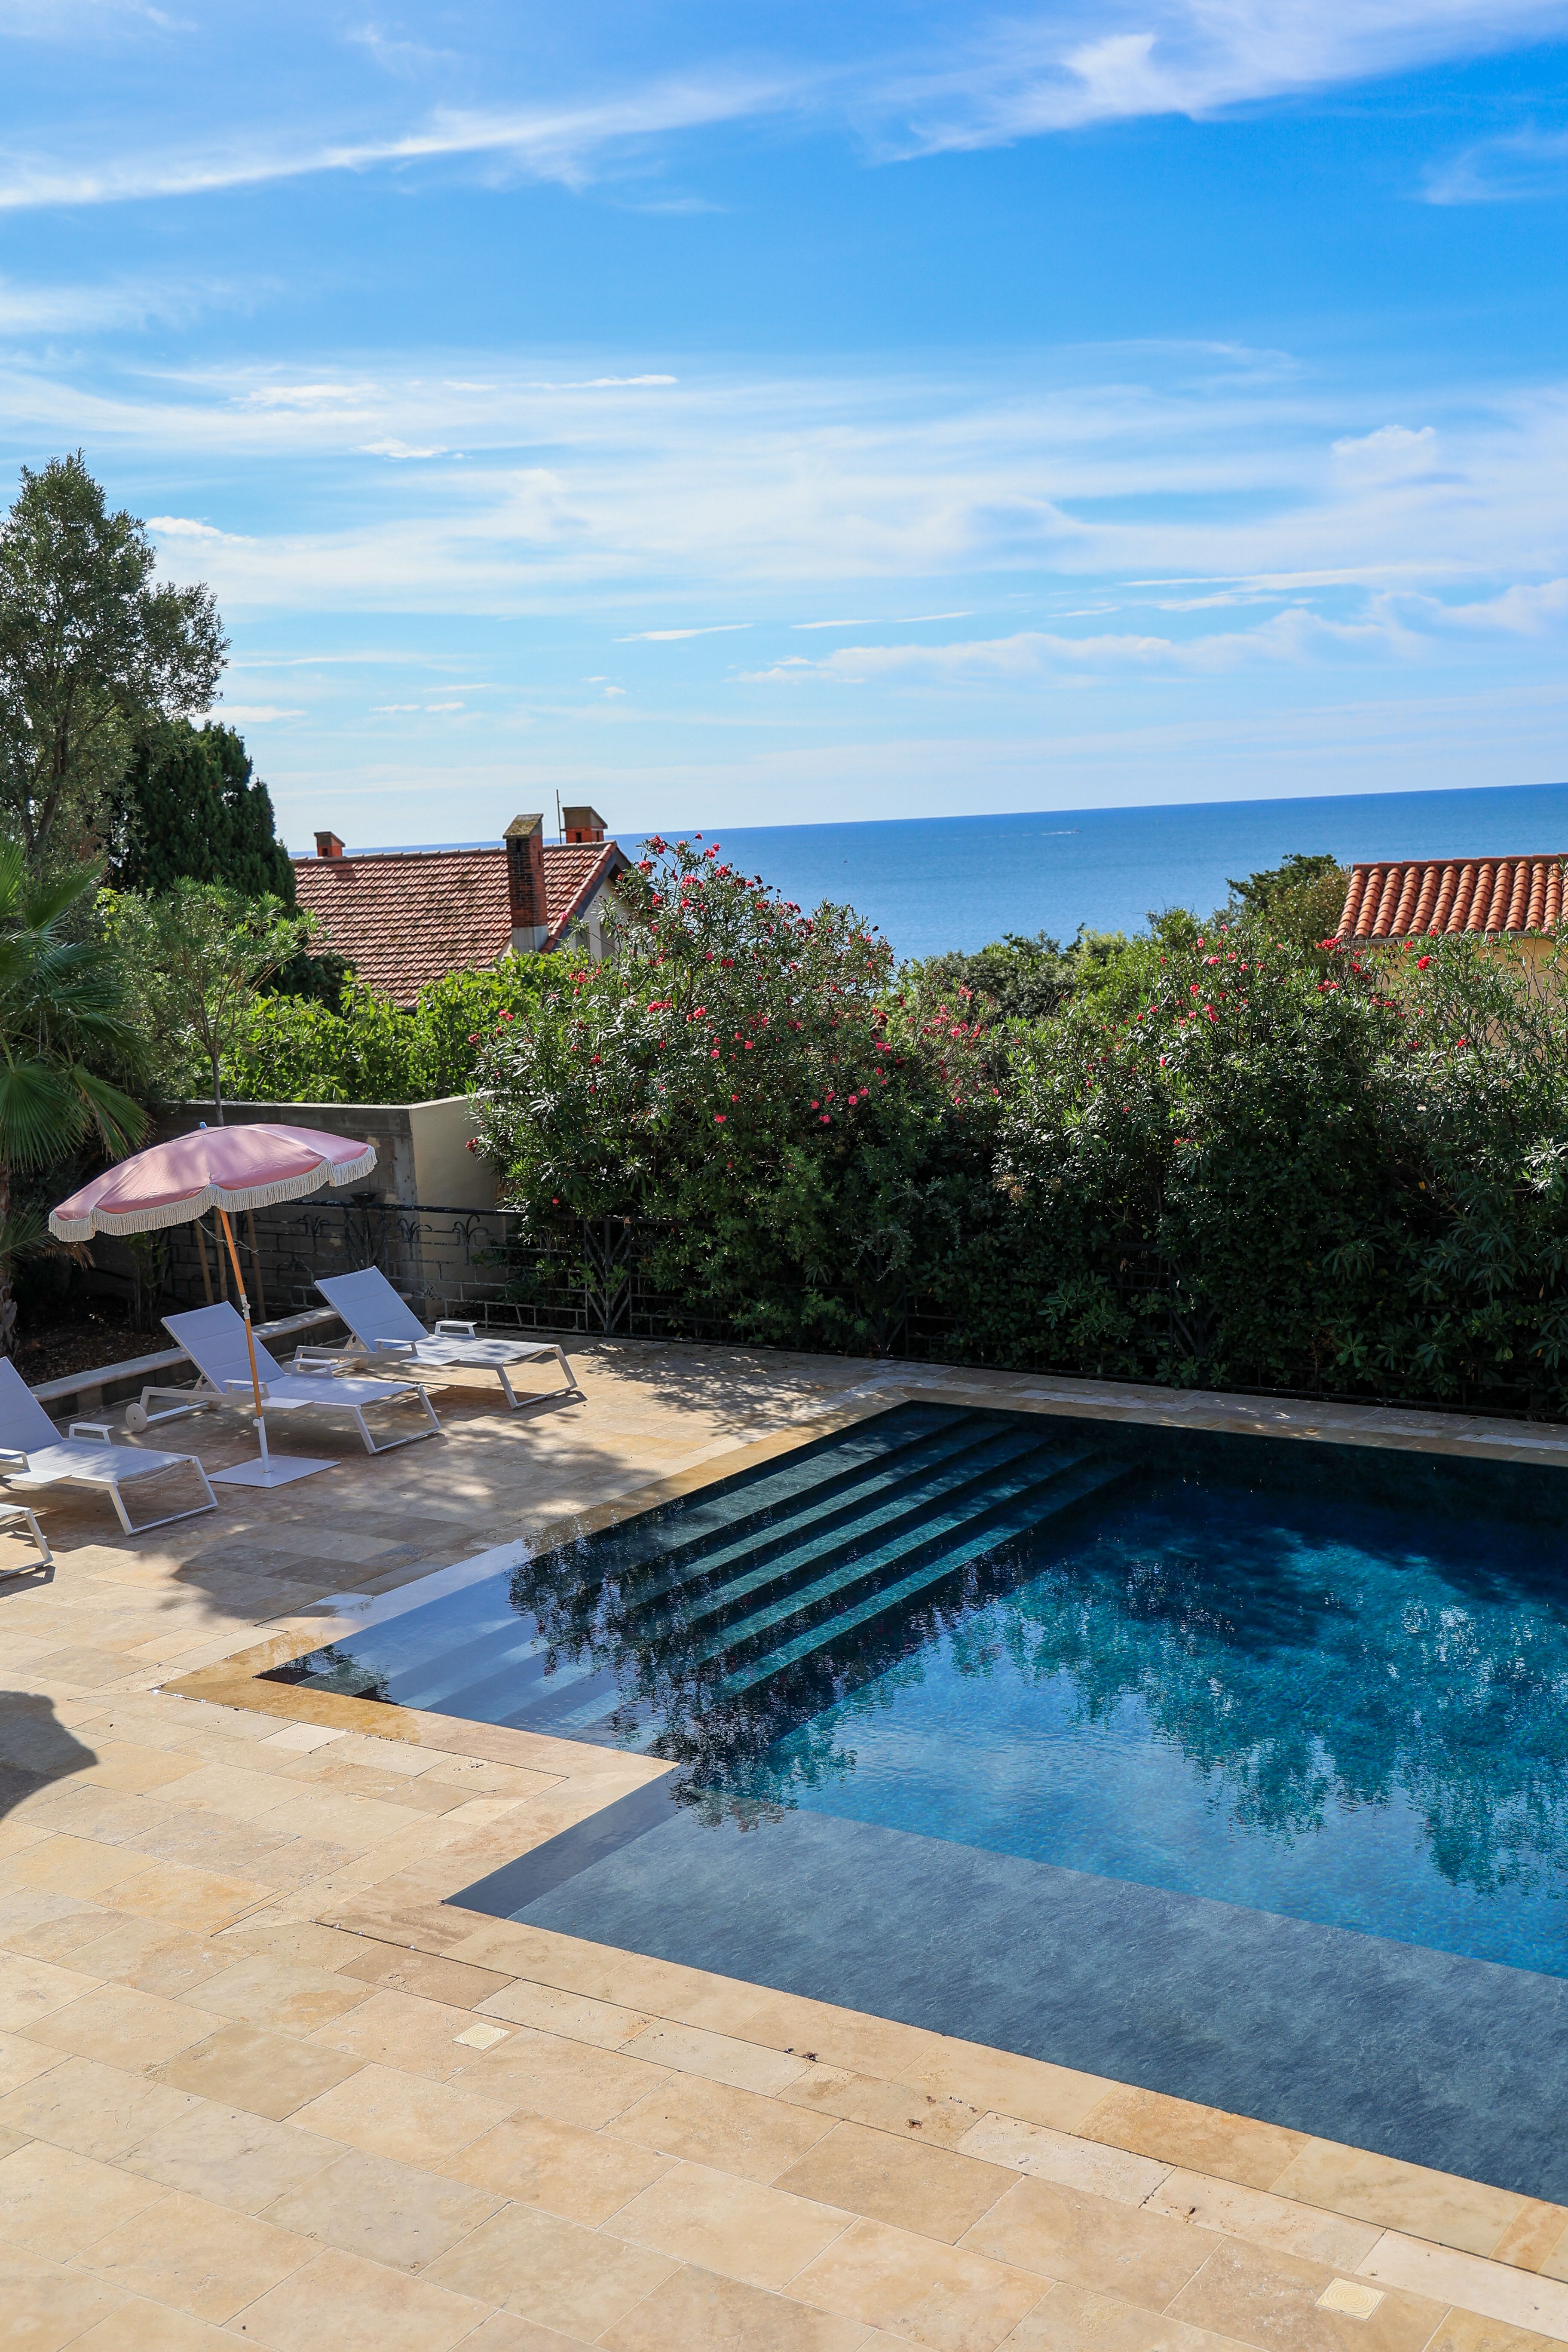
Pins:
x: 1424, y: 899
x: 406, y: 916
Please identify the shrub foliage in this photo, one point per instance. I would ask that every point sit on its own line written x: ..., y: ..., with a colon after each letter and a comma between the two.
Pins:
x: 1224, y: 1156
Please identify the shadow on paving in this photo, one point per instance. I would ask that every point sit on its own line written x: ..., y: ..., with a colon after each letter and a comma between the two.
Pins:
x: 34, y: 1748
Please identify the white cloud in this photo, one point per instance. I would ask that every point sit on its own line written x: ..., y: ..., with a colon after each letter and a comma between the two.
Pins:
x: 443, y: 705
x: 667, y: 636
x: 249, y: 714
x: 1512, y: 169
x: 399, y: 449
x: 186, y: 527
x: 389, y: 709
x: 1285, y: 637
x: 906, y: 82
x: 895, y: 621
x: 1392, y: 454
x: 310, y: 397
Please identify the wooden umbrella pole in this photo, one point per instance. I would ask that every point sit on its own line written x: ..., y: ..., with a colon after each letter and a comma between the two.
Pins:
x: 249, y: 1336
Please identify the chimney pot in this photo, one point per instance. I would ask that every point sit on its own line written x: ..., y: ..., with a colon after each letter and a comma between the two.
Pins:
x: 327, y: 846
x: 581, y: 825
x: 524, y: 840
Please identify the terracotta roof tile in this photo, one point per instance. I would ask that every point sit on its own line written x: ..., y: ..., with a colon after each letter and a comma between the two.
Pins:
x: 404, y: 918
x: 1424, y: 899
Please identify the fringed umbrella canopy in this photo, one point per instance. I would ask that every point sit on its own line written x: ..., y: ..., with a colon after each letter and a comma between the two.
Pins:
x: 224, y: 1167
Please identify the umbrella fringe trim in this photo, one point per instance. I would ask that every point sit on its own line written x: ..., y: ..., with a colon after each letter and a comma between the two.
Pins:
x: 211, y: 1196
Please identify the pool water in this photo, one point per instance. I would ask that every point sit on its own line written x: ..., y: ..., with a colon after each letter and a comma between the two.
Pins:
x: 1326, y: 1681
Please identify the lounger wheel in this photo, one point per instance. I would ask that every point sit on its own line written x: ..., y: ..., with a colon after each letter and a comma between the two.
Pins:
x: 136, y: 1419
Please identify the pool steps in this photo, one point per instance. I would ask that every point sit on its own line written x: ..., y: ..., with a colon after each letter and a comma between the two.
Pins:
x: 719, y: 1597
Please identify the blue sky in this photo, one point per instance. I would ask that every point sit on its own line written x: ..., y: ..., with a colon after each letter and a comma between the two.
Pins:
x: 807, y: 412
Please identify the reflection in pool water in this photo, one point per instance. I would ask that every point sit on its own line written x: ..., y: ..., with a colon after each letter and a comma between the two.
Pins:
x: 1308, y: 1679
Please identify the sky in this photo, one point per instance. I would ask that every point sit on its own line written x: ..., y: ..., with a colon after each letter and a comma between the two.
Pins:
x: 809, y: 413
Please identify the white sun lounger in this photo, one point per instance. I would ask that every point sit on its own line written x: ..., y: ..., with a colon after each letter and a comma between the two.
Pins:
x: 88, y: 1458
x: 213, y: 1338
x: 387, y: 1331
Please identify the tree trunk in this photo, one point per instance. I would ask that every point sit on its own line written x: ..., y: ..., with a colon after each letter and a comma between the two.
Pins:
x: 7, y: 1303
x: 217, y: 1094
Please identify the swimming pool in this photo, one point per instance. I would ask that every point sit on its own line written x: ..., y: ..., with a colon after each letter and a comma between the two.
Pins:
x: 1318, y: 1682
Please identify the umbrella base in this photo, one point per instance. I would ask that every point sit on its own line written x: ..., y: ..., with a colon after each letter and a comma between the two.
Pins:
x: 277, y: 1470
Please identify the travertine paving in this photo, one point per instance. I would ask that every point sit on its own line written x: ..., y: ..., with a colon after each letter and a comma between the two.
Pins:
x: 259, y: 2081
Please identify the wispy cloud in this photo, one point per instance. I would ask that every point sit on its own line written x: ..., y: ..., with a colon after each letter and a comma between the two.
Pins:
x: 902, y: 83
x: 391, y: 448
x: 667, y: 636
x: 546, y: 142
x: 1513, y: 168
x: 250, y: 714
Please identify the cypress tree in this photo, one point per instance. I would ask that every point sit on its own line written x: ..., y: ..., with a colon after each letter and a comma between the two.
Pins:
x: 192, y: 805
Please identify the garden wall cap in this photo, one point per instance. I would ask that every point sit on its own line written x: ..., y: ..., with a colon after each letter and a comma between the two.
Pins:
x: 229, y: 1168
x: 1435, y: 897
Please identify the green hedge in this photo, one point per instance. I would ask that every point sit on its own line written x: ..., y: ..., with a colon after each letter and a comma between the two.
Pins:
x: 301, y: 1049
x: 1226, y: 1159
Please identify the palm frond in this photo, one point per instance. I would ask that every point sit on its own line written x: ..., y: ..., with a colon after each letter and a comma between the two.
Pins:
x: 121, y: 1123
x: 41, y: 1115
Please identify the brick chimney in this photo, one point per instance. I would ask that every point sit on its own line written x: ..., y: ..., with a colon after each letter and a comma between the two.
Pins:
x: 581, y: 825
x: 525, y: 883
x: 327, y: 846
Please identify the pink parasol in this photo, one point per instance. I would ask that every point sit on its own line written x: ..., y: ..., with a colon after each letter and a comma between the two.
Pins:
x: 221, y: 1168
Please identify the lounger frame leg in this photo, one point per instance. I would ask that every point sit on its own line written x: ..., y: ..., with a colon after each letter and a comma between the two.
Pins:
x: 390, y: 1445
x: 45, y: 1556
x: 169, y: 1517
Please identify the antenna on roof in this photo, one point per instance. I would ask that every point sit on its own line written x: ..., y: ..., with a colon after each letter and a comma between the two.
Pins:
x: 560, y: 827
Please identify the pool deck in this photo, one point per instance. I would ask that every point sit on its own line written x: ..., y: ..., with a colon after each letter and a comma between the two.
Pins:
x: 261, y: 2081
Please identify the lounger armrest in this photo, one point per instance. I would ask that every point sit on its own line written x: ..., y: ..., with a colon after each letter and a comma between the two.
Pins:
x: 449, y: 1328
x: 392, y: 1347
x: 319, y: 1360
x: 245, y: 1388
x: 14, y: 1453
x: 98, y: 1429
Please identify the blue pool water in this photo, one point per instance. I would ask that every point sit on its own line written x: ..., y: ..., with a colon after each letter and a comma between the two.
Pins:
x: 1325, y: 1683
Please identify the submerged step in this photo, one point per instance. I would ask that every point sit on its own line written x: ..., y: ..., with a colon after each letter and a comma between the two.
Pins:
x: 1092, y: 1481
x: 1027, y: 1493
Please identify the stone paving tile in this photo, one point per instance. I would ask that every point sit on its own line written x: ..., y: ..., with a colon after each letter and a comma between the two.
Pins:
x: 48, y: 2306
x: 931, y: 2190
x: 198, y: 2256
x: 121, y: 2027
x: 340, y: 2299
x: 1463, y: 2213
x: 935, y: 2296
x: 739, y: 2227
x: 576, y: 2280
x: 716, y: 2125
x: 96, y: 2111
x: 387, y: 2113
x: 270, y: 2074
x: 1082, y: 2240
x: 229, y: 2155
x: 698, y: 2311
x: 54, y: 2203
x: 581, y: 2175
x: 1202, y: 2139
x: 1272, y: 2300
x: 391, y: 2213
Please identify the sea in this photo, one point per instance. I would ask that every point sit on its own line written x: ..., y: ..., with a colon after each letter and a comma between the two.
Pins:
x: 931, y: 884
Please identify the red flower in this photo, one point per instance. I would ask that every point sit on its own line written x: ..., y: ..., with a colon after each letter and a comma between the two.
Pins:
x: 718, y: 1117
x: 1422, y: 962
x: 826, y: 1121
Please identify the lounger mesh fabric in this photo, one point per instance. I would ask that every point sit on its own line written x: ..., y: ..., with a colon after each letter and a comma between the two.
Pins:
x: 213, y: 1338
x: 385, y: 1325
x: 50, y: 1460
